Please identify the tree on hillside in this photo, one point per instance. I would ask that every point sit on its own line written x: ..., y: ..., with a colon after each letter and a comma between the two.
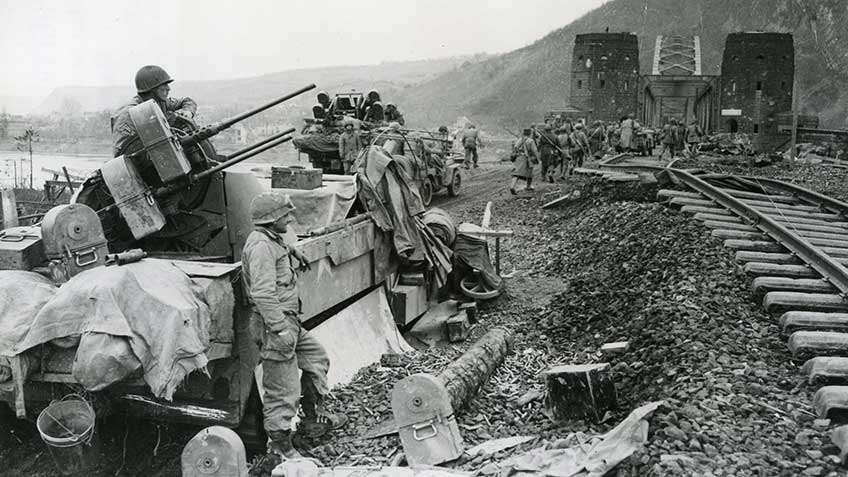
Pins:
x: 24, y: 144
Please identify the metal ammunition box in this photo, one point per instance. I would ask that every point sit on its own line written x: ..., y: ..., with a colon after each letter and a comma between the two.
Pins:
x: 21, y: 248
x: 295, y: 178
x: 163, y: 148
x: 73, y: 234
x: 135, y: 201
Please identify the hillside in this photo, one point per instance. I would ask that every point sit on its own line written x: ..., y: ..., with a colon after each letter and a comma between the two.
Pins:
x: 223, y: 97
x: 519, y: 86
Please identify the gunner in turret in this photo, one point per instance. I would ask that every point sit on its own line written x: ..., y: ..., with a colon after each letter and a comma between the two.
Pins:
x: 151, y: 82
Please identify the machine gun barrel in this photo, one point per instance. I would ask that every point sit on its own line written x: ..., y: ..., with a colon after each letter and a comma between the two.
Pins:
x: 208, y: 131
x: 260, y: 143
x: 235, y: 160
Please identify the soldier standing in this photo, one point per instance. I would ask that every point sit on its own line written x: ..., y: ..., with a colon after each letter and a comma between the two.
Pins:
x: 693, y: 137
x: 470, y: 141
x: 349, y: 145
x: 564, y: 143
x: 581, y: 145
x: 271, y: 284
x: 151, y: 82
x: 547, y: 152
x: 667, y: 140
x: 627, y: 127
x: 524, y: 157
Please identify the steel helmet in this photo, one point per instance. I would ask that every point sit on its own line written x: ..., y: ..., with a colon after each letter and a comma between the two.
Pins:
x: 267, y: 207
x: 151, y: 77
x: 323, y: 97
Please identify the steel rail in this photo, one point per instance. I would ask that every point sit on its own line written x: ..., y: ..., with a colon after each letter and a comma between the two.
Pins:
x: 811, y: 197
x: 830, y: 269
x: 833, y: 271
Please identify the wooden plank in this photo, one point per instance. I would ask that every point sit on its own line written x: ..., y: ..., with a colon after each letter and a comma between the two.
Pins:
x: 487, y: 215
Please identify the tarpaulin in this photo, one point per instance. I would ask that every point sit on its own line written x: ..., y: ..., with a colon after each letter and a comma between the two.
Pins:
x: 472, y: 253
x: 591, y: 459
x: 322, y: 206
x: 392, y: 197
x: 323, y: 143
x: 152, y: 303
x: 22, y: 295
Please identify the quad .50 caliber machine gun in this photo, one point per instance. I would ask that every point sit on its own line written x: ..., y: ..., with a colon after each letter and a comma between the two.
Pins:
x: 165, y: 194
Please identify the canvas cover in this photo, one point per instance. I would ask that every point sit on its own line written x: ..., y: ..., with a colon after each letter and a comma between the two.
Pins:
x: 22, y: 295
x: 318, y: 143
x: 152, y: 304
x: 322, y: 206
x: 392, y: 197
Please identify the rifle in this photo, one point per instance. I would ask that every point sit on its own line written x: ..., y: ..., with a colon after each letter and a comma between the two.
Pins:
x: 542, y: 134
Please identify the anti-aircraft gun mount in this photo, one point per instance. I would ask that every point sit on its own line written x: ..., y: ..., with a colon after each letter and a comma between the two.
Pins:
x: 165, y: 192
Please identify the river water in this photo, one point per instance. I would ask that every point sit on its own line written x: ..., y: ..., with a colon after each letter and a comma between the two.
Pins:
x: 15, y: 166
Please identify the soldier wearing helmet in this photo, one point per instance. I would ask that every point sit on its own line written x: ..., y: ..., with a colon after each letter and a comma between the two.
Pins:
x: 271, y: 284
x: 349, y: 145
x: 151, y: 82
x: 374, y: 113
x: 393, y: 114
x: 372, y: 97
x: 470, y: 141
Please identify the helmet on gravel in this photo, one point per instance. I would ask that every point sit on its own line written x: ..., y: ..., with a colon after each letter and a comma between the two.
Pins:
x: 151, y: 77
x: 267, y: 207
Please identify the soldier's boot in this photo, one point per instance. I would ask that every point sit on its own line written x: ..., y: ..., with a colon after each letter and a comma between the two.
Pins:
x: 281, y: 445
x: 318, y: 421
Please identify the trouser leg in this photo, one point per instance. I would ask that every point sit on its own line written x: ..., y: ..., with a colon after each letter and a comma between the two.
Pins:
x: 282, y: 393
x: 467, y: 161
x: 474, y: 155
x: 312, y: 359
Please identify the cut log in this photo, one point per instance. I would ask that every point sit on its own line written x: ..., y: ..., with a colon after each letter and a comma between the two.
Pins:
x: 465, y: 376
x: 579, y: 392
x: 423, y: 405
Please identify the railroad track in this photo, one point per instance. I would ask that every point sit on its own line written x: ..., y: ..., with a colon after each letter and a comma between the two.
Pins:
x: 793, y: 242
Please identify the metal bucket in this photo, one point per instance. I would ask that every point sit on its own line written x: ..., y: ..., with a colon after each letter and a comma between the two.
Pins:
x: 67, y: 427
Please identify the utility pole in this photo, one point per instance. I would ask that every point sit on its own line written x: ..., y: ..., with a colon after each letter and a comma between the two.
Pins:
x: 794, y: 116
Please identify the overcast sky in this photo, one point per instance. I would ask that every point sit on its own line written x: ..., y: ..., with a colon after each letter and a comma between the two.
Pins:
x: 45, y: 44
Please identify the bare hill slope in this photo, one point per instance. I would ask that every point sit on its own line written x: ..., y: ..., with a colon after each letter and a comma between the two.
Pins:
x: 522, y: 84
